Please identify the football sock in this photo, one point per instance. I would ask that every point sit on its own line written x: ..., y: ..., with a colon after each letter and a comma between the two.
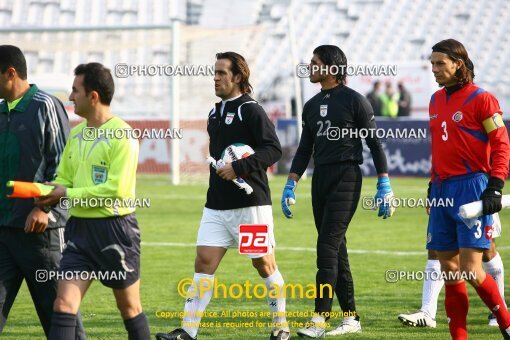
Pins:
x: 457, y: 304
x: 276, y: 302
x: 495, y: 269
x: 431, y: 288
x: 138, y: 328
x: 196, y: 302
x: 63, y: 326
x: 490, y: 295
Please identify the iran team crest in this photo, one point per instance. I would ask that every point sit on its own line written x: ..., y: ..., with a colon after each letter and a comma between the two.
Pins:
x: 324, y: 110
x: 230, y: 118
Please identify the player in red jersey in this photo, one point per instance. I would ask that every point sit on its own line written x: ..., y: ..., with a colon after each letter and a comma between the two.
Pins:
x: 470, y: 155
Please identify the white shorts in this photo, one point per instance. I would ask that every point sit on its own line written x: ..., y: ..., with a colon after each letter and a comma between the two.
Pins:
x: 220, y: 228
x: 496, y: 226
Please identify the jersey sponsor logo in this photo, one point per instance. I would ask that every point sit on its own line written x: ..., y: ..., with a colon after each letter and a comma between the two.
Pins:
x: 253, y: 239
x: 457, y: 116
x: 99, y: 174
x: 433, y: 116
x: 326, y: 96
x: 324, y: 110
x: 488, y: 232
x: 230, y: 118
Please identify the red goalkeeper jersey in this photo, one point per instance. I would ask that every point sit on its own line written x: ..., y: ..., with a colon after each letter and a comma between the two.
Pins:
x: 468, y: 134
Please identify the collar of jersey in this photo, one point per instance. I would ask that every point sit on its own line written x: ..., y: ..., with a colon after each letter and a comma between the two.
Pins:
x: 232, y: 99
x: 336, y: 88
x: 105, y: 124
x: 243, y: 98
x: 23, y: 103
x: 452, y: 89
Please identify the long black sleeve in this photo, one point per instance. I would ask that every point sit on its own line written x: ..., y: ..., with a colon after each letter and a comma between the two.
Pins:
x: 365, y: 119
x: 304, y: 150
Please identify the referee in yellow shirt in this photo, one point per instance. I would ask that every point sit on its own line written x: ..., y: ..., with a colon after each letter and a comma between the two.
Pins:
x: 103, y: 240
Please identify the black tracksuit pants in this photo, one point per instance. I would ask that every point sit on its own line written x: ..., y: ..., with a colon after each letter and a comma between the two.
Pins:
x: 336, y: 190
x: 30, y: 257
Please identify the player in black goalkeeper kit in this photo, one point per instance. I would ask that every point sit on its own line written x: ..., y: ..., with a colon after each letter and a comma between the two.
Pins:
x: 331, y: 120
x: 236, y: 119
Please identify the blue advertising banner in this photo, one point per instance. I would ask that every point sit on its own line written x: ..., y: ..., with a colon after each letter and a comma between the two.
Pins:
x: 407, y: 146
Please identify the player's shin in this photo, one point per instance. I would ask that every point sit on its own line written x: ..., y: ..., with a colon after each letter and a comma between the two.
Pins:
x: 431, y: 288
x: 489, y: 293
x: 276, y: 299
x: 138, y: 327
x: 198, y: 297
x: 456, y: 304
x: 495, y: 269
x: 63, y: 326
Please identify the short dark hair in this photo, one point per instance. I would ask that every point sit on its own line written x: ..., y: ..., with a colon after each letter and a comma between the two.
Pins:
x: 332, y: 55
x: 11, y: 56
x: 456, y: 51
x: 97, y: 78
x: 239, y: 66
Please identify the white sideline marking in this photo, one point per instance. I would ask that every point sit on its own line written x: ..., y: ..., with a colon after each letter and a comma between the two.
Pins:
x: 350, y: 251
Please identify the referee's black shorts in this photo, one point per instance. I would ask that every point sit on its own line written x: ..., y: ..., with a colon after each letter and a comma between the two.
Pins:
x: 108, y: 247
x: 336, y: 190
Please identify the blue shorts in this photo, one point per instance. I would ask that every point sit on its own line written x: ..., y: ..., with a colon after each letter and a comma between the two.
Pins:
x: 446, y: 230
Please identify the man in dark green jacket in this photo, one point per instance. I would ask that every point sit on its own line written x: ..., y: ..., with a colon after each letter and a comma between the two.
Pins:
x: 33, y: 131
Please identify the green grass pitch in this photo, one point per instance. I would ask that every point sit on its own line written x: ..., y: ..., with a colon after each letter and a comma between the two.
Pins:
x: 169, y: 230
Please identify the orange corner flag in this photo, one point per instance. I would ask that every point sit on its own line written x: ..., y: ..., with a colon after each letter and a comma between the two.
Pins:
x: 28, y: 189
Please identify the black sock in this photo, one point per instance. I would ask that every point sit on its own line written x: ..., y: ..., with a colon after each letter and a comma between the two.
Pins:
x: 138, y: 327
x: 63, y: 326
x: 80, y: 331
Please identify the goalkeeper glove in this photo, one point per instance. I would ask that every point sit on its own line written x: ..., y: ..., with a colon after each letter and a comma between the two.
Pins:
x: 288, y: 197
x: 383, y: 198
x: 491, y: 197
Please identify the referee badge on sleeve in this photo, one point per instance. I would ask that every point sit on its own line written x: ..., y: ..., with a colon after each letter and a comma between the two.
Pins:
x: 99, y: 174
